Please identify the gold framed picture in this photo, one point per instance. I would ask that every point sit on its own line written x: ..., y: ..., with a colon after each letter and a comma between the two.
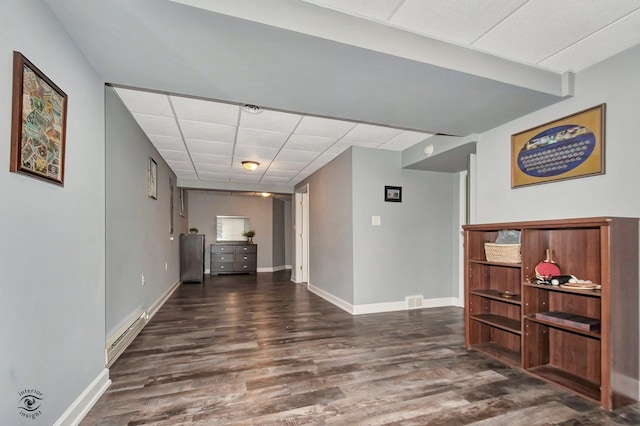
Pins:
x: 568, y: 148
x: 38, y: 123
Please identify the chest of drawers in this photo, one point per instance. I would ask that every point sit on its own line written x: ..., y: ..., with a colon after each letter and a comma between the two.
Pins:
x: 233, y: 258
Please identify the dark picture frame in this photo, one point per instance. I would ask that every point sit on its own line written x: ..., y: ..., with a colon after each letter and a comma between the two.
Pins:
x: 393, y: 194
x: 152, y: 179
x: 38, y: 123
x: 568, y: 148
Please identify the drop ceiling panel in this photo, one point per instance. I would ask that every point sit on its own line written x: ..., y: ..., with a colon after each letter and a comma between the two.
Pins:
x: 185, y: 174
x: 207, y: 131
x: 296, y: 156
x: 174, y: 155
x: 255, y: 153
x: 274, y: 121
x: 288, y: 165
x: 280, y: 173
x: 204, y: 147
x: 214, y: 176
x: 309, y: 143
x: 245, y: 178
x: 323, y: 127
x: 205, y: 111
x: 210, y: 159
x: 609, y: 41
x: 166, y: 142
x: 275, y: 180
x: 220, y: 168
x: 369, y: 133
x: 459, y: 21
x: 180, y: 165
x: 404, y: 140
x: 156, y: 125
x: 262, y: 138
x: 540, y: 29
x: 145, y: 102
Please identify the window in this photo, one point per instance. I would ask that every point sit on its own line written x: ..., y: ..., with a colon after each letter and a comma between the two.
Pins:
x: 230, y: 228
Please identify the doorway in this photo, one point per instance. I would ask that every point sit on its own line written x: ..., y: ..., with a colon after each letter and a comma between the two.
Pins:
x: 301, y: 230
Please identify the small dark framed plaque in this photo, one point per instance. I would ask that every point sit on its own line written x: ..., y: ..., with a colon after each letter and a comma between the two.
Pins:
x: 393, y: 194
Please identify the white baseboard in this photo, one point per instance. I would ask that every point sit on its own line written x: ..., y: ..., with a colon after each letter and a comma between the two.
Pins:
x: 207, y: 271
x: 87, y: 399
x: 273, y: 268
x: 154, y: 308
x: 374, y: 308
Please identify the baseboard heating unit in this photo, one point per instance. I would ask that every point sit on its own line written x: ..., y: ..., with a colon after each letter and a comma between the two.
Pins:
x: 119, y: 341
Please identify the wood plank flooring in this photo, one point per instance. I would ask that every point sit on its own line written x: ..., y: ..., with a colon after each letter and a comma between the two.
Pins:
x: 260, y: 350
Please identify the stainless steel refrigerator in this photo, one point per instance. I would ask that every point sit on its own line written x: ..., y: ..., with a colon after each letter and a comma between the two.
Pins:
x: 192, y: 258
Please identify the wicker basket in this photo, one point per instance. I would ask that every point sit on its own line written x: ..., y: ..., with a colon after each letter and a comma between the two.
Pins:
x: 502, y: 253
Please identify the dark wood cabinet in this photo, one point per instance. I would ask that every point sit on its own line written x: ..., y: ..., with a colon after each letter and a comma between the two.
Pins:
x: 598, y: 363
x: 233, y: 258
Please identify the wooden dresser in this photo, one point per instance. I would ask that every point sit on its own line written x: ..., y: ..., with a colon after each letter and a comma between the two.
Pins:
x: 233, y: 257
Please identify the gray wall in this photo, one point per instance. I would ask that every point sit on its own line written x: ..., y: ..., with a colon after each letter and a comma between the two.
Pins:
x: 137, y: 226
x: 205, y: 206
x: 288, y: 233
x: 278, y: 233
x: 614, y: 82
x: 52, y: 251
x: 410, y: 253
x: 331, y: 227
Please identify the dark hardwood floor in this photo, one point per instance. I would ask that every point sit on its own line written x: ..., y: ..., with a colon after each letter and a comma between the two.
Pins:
x: 260, y: 350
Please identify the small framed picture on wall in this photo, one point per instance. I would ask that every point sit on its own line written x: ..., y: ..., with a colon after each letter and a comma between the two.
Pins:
x: 393, y: 194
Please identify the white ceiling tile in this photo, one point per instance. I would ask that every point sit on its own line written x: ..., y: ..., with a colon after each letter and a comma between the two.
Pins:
x: 261, y: 138
x: 185, y: 174
x: 220, y: 168
x: 210, y: 159
x: 244, y: 178
x: 169, y: 155
x: 274, y: 121
x: 155, y: 125
x: 404, y: 140
x: 207, y: 131
x: 610, y: 41
x: 371, y: 134
x: 205, y: 111
x: 540, y: 28
x: 280, y: 173
x: 275, y: 180
x: 208, y: 147
x: 309, y: 143
x: 339, y: 147
x: 459, y: 21
x: 255, y: 153
x: 222, y: 177
x: 167, y: 142
x: 180, y: 165
x: 379, y: 10
x: 285, y: 165
x: 148, y: 103
x: 323, y: 127
x: 296, y: 156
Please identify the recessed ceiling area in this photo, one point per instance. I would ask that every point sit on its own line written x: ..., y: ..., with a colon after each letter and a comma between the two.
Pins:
x: 207, y: 141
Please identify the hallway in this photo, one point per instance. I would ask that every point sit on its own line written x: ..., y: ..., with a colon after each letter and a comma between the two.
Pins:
x: 260, y: 350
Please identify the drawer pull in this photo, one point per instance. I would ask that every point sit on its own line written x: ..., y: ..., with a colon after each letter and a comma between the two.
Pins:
x: 245, y: 257
x: 244, y: 266
x: 221, y: 266
x: 221, y: 257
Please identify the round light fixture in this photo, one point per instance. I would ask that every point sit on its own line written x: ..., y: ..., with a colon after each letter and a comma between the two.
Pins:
x: 428, y: 150
x: 252, y: 109
x: 250, y: 165
x: 266, y: 194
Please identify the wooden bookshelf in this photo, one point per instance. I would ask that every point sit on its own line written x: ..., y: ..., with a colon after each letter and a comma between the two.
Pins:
x: 600, y: 365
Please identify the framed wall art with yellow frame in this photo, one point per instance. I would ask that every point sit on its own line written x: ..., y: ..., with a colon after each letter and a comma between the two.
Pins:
x: 568, y: 148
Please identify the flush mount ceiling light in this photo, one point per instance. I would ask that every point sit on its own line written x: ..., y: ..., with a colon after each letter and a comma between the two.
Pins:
x: 252, y: 109
x: 250, y: 165
x: 266, y: 194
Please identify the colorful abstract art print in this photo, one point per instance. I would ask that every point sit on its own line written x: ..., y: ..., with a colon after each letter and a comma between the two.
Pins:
x: 568, y: 148
x: 38, y: 125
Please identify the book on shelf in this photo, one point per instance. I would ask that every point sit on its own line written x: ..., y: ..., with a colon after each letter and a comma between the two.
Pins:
x: 572, y: 320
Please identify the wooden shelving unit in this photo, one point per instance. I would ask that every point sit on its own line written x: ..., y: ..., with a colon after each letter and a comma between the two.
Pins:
x: 600, y: 365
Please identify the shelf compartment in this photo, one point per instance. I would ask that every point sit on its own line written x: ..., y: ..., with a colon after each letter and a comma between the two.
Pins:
x: 592, y: 334
x: 489, y: 276
x: 494, y: 294
x: 506, y: 355
x: 567, y: 380
x: 486, y: 262
x: 540, y: 298
x: 504, y: 323
x: 590, y: 293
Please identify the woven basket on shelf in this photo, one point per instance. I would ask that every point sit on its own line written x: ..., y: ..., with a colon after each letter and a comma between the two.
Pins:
x: 502, y: 253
